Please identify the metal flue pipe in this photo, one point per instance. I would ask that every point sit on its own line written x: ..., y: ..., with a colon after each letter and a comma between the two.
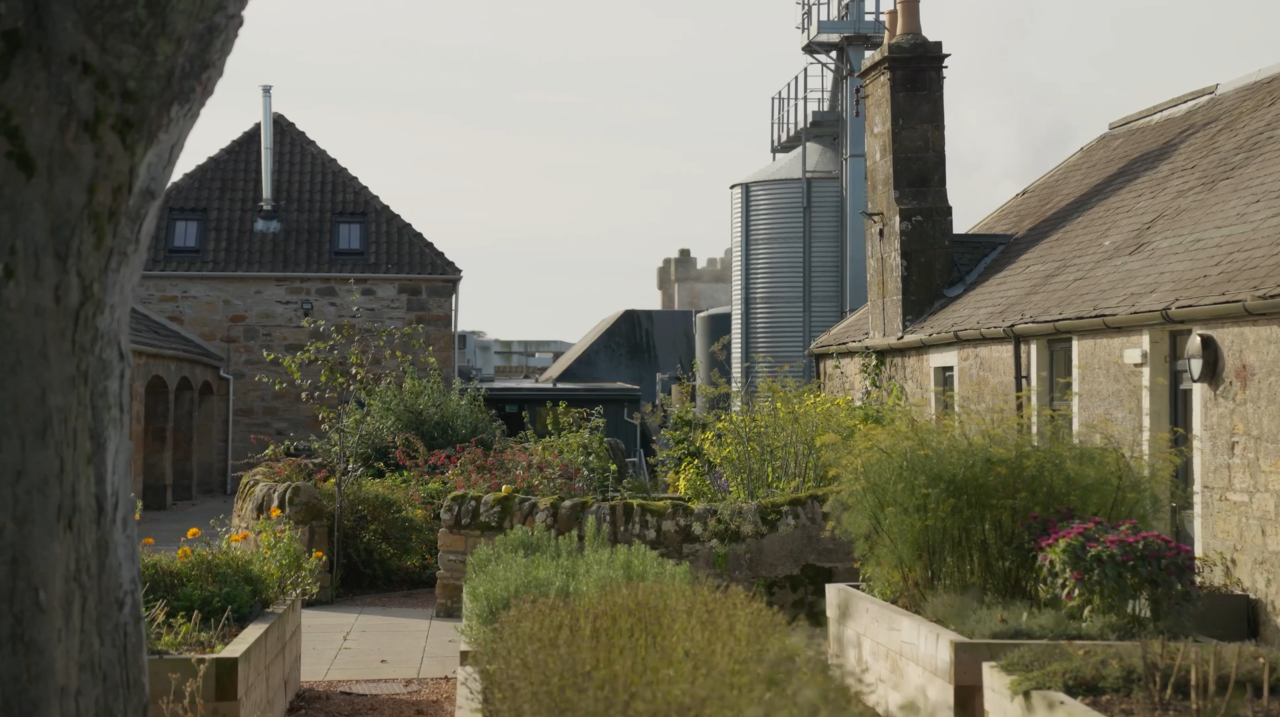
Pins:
x: 268, y: 202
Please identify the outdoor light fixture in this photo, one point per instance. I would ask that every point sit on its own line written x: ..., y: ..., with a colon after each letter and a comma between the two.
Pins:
x: 306, y: 308
x: 872, y: 216
x: 1202, y: 358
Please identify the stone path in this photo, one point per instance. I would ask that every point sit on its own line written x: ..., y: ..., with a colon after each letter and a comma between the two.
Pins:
x: 377, y: 643
x: 169, y: 527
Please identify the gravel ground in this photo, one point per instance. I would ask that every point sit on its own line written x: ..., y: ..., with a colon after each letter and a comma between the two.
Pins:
x: 325, y: 699
x: 415, y: 598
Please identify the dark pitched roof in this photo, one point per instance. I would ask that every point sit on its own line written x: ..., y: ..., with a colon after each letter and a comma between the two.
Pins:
x: 1176, y: 208
x: 149, y: 332
x: 310, y: 188
x: 631, y: 346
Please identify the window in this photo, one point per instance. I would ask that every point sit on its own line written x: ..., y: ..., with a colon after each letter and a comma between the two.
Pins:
x: 1060, y: 375
x: 462, y: 342
x: 944, y: 384
x: 348, y: 236
x: 186, y: 230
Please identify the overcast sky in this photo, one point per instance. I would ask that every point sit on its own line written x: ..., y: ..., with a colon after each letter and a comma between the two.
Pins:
x: 557, y: 150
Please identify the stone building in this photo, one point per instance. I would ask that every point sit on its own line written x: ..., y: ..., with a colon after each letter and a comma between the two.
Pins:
x: 180, y: 396
x: 240, y: 262
x: 1085, y: 292
x: 685, y: 285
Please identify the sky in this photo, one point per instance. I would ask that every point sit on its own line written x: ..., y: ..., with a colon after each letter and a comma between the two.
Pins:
x: 558, y: 150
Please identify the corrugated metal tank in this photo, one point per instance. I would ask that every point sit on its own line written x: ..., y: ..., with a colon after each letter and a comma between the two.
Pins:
x: 710, y: 328
x: 787, y: 263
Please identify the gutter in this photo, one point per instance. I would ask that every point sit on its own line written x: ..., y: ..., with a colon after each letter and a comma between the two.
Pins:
x: 274, y: 275
x: 1216, y: 312
x: 165, y: 353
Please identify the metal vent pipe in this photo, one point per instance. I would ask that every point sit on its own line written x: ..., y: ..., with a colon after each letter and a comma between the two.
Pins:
x: 268, y: 203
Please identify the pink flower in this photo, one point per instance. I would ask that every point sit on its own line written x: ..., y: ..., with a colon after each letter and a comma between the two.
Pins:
x: 1126, y: 558
x: 1091, y: 546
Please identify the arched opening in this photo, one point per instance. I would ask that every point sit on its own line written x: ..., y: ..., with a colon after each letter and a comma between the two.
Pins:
x: 155, y: 463
x: 184, y: 435
x: 207, y: 441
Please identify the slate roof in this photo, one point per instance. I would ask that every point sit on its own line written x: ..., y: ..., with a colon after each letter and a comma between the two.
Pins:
x: 149, y: 332
x: 310, y: 189
x: 1172, y: 208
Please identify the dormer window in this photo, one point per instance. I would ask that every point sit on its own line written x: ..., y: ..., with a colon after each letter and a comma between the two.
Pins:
x: 348, y: 236
x: 186, y: 232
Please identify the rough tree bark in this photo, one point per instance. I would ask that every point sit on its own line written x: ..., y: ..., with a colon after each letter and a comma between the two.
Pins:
x: 96, y: 100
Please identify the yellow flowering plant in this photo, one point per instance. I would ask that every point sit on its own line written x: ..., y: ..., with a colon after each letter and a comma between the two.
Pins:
x: 148, y: 541
x: 763, y: 442
x: 236, y: 575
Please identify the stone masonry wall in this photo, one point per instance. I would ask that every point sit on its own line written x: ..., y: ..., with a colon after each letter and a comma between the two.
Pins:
x: 249, y: 315
x: 780, y: 546
x: 1237, y: 443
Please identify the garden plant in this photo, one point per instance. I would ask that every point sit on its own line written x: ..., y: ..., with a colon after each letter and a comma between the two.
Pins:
x: 198, y: 598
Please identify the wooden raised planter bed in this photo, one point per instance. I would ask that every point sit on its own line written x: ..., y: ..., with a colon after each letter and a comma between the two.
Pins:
x: 257, y: 675
x: 999, y: 701
x: 905, y: 664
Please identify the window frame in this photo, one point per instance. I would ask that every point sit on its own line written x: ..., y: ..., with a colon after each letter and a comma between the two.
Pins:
x: 357, y: 219
x: 1061, y: 402
x: 944, y: 390
x: 176, y: 216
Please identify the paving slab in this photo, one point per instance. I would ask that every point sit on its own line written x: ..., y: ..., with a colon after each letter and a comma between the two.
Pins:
x: 168, y: 528
x: 377, y: 643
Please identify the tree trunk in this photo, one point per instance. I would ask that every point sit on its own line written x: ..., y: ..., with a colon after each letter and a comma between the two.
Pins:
x: 96, y: 100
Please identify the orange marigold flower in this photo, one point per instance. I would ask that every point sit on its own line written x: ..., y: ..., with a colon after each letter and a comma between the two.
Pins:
x: 239, y: 536
x: 148, y: 541
x: 184, y: 552
x: 317, y: 555
x: 275, y: 512
x: 193, y: 533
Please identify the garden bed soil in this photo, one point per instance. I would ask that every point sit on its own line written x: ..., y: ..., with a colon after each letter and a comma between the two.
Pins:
x: 434, y: 698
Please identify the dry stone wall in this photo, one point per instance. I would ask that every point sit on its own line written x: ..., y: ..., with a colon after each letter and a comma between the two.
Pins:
x: 780, y: 546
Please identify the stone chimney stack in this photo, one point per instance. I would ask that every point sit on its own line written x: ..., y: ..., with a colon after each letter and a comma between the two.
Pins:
x: 909, y: 262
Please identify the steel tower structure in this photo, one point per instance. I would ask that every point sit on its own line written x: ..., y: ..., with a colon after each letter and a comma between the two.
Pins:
x: 824, y: 101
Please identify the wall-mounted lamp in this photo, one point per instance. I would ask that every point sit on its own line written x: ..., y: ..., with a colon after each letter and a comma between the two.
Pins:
x: 1202, y: 358
x: 306, y: 308
x: 872, y: 216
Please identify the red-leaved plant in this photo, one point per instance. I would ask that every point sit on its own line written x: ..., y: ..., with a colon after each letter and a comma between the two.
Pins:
x: 1092, y: 567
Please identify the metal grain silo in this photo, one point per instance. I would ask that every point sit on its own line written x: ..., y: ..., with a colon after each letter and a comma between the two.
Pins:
x: 788, y: 261
x: 711, y: 328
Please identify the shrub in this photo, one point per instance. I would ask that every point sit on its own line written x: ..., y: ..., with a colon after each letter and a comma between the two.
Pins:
x: 1086, y: 671
x: 389, y: 532
x: 770, y: 445
x: 209, y: 580
x: 976, y: 619
x: 571, y: 458
x: 1090, y: 567
x: 657, y: 649
x: 416, y: 406
x: 937, y: 506
x: 527, y: 564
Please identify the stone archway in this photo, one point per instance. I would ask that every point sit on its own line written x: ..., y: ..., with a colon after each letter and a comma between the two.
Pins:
x: 207, y: 441
x: 155, y: 451
x: 184, y: 440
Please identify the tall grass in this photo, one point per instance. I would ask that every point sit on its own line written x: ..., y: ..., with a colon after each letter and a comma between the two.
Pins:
x: 527, y: 564
x: 938, y: 506
x: 655, y: 650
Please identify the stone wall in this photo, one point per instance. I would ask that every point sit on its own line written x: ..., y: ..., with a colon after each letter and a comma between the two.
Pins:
x: 1236, y: 457
x: 249, y: 315
x: 178, y: 425
x: 780, y: 546
x: 300, y: 503
x: 257, y: 675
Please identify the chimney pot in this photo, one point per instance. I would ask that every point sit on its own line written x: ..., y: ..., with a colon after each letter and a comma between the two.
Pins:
x: 908, y: 18
x: 267, y: 130
x: 890, y: 26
